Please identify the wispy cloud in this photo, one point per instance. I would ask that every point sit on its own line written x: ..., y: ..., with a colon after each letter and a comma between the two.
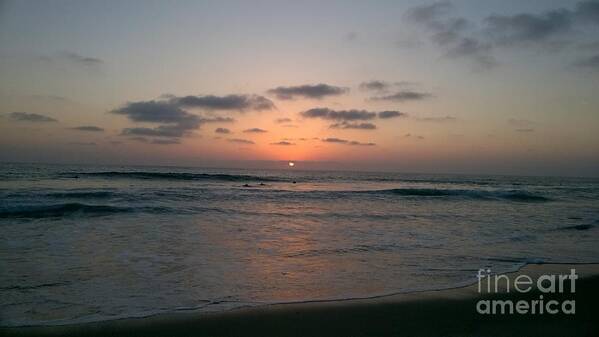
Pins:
x: 403, y: 96
x: 255, y: 130
x: 346, y: 142
x: 81, y: 60
x: 166, y: 141
x: 589, y: 63
x: 283, y: 120
x: 88, y: 128
x: 30, y: 117
x: 442, y: 119
x: 222, y: 130
x: 358, y: 126
x: 316, y: 91
x: 283, y: 143
x: 240, y: 141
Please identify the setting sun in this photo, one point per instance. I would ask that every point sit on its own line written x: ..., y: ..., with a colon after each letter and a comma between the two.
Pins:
x: 291, y: 164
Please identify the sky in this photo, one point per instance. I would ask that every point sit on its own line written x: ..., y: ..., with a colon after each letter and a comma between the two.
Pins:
x: 489, y: 87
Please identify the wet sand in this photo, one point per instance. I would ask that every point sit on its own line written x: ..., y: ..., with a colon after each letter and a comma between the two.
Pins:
x: 432, y: 313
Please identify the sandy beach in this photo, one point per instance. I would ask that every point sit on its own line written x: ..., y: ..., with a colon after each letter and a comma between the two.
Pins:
x: 432, y: 313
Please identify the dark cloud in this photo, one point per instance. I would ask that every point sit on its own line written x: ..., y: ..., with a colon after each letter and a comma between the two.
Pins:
x: 166, y: 141
x: 89, y: 128
x: 316, y: 91
x: 346, y: 142
x: 335, y: 140
x: 339, y: 115
x: 528, y: 28
x: 254, y: 130
x: 229, y: 102
x: 588, y: 11
x: 222, y: 130
x: 589, y: 63
x: 359, y: 126
x: 30, y: 117
x: 351, y: 36
x: 391, y: 114
x: 451, y: 34
x: 283, y: 142
x: 156, y: 112
x: 283, y: 120
x: 551, y: 30
x: 240, y: 141
x: 217, y: 120
x: 174, y: 121
x: 82, y: 60
x: 402, y: 96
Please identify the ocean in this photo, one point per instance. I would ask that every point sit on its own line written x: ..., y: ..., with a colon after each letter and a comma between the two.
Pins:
x: 92, y: 243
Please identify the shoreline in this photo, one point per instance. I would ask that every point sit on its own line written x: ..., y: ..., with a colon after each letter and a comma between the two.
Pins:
x: 453, y: 310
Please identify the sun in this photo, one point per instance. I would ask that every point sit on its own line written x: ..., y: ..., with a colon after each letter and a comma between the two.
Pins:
x: 291, y: 164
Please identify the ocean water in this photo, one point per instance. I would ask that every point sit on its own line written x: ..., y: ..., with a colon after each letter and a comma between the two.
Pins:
x: 90, y: 243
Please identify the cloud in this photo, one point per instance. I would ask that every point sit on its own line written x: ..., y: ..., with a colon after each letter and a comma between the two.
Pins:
x: 589, y: 63
x: 402, y: 96
x: 409, y: 135
x: 160, y: 131
x: 217, y: 120
x: 284, y: 143
x: 360, y: 126
x: 240, y: 141
x: 83, y: 143
x: 522, y: 123
x: 222, y: 130
x: 383, y: 86
x: 528, y: 28
x: 254, y: 130
x: 229, y: 102
x: 316, y: 91
x: 346, y: 142
x: 339, y: 115
x: 451, y: 34
x: 351, y: 36
x: 174, y: 121
x: 391, y: 114
x: 437, y: 119
x: 525, y: 130
x: 375, y: 85
x: 89, y: 128
x: 458, y: 37
x: 139, y: 139
x: 166, y: 141
x: 81, y: 60
x: 30, y: 117
x: 283, y: 120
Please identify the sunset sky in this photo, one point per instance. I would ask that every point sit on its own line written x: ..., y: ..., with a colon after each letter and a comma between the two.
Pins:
x: 507, y: 87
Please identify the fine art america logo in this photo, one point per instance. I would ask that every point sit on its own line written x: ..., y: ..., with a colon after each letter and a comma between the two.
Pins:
x: 547, y: 285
